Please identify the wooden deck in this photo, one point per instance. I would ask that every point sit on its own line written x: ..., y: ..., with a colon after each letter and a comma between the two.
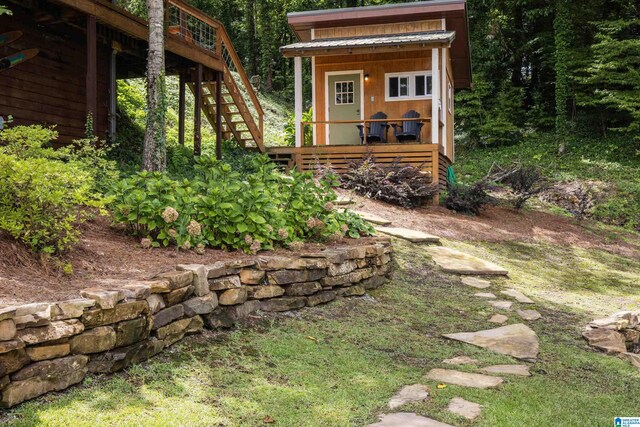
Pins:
x: 425, y: 156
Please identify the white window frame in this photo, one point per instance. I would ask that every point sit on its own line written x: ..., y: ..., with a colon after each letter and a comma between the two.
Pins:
x: 411, y: 78
x: 449, y: 97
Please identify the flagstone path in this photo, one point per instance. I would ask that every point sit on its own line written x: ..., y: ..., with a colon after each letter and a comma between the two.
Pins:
x: 465, y: 379
x: 456, y: 262
x: 414, y: 236
x: 407, y: 419
x: 373, y: 218
x: 464, y: 408
x: 516, y: 340
x: 409, y: 394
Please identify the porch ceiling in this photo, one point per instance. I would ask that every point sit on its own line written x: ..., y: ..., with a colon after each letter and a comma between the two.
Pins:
x: 365, y: 44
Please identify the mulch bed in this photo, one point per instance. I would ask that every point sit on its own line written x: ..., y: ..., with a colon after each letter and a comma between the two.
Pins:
x: 501, y: 224
x: 104, y: 253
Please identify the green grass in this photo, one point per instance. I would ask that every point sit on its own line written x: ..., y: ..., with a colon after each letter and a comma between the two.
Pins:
x: 612, y: 163
x: 337, y: 365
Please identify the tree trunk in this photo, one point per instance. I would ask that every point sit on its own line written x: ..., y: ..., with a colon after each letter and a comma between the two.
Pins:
x: 154, y: 152
x: 561, y: 26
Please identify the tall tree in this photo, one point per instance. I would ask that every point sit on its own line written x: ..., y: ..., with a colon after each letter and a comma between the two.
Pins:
x: 561, y: 26
x: 154, y: 154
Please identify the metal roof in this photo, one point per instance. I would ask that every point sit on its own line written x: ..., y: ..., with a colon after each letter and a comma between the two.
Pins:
x: 394, y: 6
x: 373, y: 41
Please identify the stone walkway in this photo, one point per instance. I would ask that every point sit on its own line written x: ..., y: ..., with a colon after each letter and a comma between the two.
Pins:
x: 456, y: 262
x: 414, y: 236
x: 517, y: 340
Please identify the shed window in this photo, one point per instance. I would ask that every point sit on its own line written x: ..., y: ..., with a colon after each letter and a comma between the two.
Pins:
x: 423, y: 85
x: 344, y: 92
x: 408, y: 86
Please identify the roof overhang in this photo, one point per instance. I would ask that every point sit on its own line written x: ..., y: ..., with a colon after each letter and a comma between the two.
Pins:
x: 368, y: 44
x: 453, y: 11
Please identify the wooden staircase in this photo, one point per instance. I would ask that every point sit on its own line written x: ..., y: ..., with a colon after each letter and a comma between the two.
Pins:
x: 242, y: 114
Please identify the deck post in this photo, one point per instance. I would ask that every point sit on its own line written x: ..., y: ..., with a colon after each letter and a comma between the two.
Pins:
x: 219, y: 115
x: 435, y: 97
x: 181, y: 108
x: 197, y: 116
x: 113, y: 94
x: 297, y: 69
x: 92, y: 71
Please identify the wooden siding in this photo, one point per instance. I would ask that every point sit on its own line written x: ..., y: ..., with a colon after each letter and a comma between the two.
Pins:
x: 450, y: 132
x: 443, y: 163
x: 377, y: 29
x: 50, y: 88
x: 376, y: 65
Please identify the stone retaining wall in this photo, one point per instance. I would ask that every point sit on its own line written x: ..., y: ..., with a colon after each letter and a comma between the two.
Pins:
x: 618, y: 334
x: 51, y: 346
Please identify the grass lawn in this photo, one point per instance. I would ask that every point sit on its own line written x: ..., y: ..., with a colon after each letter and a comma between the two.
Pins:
x: 337, y: 365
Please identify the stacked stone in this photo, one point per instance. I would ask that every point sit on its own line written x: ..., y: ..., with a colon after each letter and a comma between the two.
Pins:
x: 617, y: 334
x: 50, y: 346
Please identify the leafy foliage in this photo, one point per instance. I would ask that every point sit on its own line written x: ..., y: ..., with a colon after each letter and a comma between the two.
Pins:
x: 467, y: 198
x: 613, y: 73
x: 4, y: 10
x: 222, y: 208
x: 45, y: 190
x: 395, y: 183
x: 41, y: 199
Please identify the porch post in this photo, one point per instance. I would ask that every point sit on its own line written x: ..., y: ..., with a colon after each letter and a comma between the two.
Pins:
x: 113, y: 95
x: 444, y: 100
x: 435, y: 96
x: 297, y: 70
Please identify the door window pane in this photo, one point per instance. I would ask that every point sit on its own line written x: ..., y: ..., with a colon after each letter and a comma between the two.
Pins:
x: 344, y: 92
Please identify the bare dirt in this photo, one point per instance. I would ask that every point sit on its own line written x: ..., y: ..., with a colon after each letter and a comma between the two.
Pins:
x: 500, y: 224
x: 104, y: 254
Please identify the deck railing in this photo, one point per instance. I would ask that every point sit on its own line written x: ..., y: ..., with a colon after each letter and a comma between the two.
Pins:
x: 365, y: 124
x: 198, y: 28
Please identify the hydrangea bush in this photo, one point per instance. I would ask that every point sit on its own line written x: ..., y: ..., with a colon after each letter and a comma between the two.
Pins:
x: 222, y: 208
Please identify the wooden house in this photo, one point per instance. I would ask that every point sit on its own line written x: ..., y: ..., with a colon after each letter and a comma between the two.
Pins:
x: 383, y: 79
x: 82, y: 47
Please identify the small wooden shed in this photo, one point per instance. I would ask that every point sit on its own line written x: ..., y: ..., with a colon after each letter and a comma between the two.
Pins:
x: 399, y: 63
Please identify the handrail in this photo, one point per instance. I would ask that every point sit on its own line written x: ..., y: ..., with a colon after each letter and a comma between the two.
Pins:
x: 365, y: 121
x: 223, y: 43
x: 359, y: 122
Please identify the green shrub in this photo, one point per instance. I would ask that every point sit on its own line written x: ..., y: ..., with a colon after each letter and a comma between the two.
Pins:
x: 40, y: 201
x: 223, y: 208
x: 89, y: 155
x: 467, y: 198
x: 622, y: 209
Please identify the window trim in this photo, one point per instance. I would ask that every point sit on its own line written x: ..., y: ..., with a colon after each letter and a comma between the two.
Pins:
x: 411, y: 77
x: 450, y: 97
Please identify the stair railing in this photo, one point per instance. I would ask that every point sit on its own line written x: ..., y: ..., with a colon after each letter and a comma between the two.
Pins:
x: 195, y: 26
